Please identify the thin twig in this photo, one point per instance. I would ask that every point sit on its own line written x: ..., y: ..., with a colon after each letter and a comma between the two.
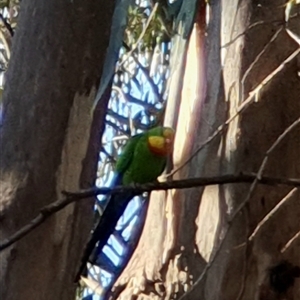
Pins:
x: 7, y: 25
x: 70, y: 197
x: 245, y: 104
x: 246, y: 255
x: 130, y: 99
x: 290, y: 242
x: 258, y: 56
x: 207, y: 267
x: 271, y: 213
x: 127, y: 55
x: 293, y: 36
x: 263, y: 166
x: 44, y: 214
x: 280, y: 23
x: 145, y: 71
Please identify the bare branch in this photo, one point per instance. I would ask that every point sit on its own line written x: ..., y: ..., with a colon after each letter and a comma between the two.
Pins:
x: 70, y: 197
x: 44, y: 214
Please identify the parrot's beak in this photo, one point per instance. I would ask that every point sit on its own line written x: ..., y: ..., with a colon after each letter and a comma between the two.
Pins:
x: 169, y: 145
x: 168, y: 141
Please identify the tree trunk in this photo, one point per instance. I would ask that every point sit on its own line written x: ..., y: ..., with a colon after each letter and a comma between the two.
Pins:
x: 55, y: 68
x: 185, y: 230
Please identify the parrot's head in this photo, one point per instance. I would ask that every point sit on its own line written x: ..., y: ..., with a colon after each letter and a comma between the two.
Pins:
x: 161, y: 140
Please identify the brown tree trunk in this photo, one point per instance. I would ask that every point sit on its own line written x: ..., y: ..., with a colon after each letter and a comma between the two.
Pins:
x: 184, y: 230
x: 55, y: 68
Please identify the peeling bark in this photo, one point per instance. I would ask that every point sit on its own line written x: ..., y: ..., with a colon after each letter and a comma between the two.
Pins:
x: 56, y: 64
x: 185, y: 229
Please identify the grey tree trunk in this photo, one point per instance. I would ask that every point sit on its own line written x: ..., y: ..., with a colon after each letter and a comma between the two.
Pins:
x: 249, y: 56
x: 57, y: 59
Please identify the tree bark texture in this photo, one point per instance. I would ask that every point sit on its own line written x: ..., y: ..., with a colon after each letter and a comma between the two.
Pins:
x: 245, y: 43
x: 49, y: 142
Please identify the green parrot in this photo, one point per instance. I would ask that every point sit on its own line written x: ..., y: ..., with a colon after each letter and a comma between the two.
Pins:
x: 142, y: 160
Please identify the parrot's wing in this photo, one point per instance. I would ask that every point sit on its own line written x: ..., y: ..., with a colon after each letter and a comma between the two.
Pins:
x: 126, y: 156
x: 105, y: 227
x: 113, y: 211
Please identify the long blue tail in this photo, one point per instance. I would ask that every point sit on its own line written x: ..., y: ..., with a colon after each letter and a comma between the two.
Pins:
x: 105, y: 227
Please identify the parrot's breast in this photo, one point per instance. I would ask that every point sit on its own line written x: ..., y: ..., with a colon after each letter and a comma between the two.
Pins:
x: 145, y: 166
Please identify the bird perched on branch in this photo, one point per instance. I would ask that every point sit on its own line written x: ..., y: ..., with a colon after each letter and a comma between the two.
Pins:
x: 142, y: 160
